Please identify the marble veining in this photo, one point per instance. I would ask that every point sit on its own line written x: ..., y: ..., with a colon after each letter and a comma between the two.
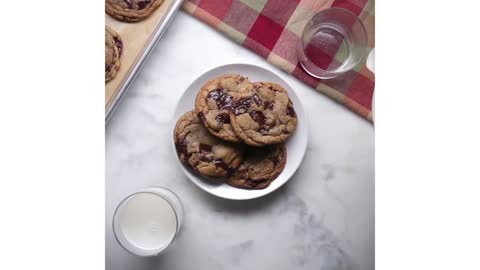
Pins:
x: 322, y: 219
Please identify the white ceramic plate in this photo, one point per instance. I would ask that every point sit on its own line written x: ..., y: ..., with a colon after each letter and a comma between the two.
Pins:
x: 296, y: 143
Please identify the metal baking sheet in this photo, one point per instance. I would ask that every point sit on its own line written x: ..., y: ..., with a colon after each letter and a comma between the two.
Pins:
x: 139, y: 39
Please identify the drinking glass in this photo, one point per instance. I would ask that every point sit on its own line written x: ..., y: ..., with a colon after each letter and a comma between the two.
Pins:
x: 333, y: 42
x: 146, y: 223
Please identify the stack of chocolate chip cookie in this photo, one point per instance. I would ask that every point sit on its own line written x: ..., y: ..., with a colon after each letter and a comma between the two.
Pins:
x: 237, y: 131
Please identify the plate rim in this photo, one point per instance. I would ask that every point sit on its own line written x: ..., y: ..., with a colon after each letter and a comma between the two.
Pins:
x: 189, y: 174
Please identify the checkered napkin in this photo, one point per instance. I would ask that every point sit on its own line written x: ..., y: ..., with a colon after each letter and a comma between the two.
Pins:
x: 272, y: 28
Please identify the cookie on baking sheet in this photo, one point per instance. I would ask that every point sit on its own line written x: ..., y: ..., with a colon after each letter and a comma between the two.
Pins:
x: 261, y: 165
x: 265, y: 117
x: 213, y: 103
x: 113, y: 50
x: 204, y: 153
x: 131, y: 10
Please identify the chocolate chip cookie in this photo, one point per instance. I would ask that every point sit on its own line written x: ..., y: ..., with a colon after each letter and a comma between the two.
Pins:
x: 202, y: 152
x: 131, y: 10
x: 113, y: 50
x: 265, y: 117
x: 214, y: 101
x: 260, y: 167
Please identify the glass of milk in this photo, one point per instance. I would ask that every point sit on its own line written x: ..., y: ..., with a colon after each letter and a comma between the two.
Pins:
x: 145, y: 223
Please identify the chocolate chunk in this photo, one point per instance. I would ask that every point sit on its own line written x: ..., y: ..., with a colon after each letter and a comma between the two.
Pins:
x: 243, y: 174
x: 223, y: 100
x: 129, y: 3
x: 118, y: 44
x: 241, y: 105
x: 201, y: 116
x: 263, y: 130
x: 142, y: 4
x: 253, y: 183
x: 239, y: 110
x: 205, y: 147
x: 291, y: 112
x: 257, y: 100
x: 205, y: 159
x: 182, y: 147
x: 221, y: 164
x: 274, y: 89
x: 258, y: 117
x: 215, y: 94
x: 268, y: 105
x: 223, y: 118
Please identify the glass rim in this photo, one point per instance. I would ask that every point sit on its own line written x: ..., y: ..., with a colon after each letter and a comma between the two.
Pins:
x: 334, y: 73
x: 147, y: 191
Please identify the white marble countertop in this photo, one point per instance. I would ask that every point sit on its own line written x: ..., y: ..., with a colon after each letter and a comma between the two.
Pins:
x: 322, y: 219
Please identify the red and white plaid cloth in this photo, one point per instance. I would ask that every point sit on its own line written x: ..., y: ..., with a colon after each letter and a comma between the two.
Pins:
x: 272, y: 28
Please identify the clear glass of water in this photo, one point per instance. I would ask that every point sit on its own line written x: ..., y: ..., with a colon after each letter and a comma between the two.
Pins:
x: 147, y: 222
x: 334, y: 41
